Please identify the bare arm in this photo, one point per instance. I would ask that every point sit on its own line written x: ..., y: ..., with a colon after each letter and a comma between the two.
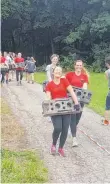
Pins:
x: 48, y: 73
x: 48, y: 94
x: 85, y: 86
x: 6, y: 63
x: 49, y: 76
x: 73, y: 95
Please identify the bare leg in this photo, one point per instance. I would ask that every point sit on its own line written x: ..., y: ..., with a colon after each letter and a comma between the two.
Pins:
x: 28, y: 77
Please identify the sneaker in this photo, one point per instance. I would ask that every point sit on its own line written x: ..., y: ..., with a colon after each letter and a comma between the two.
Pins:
x: 75, y: 143
x: 53, y: 150
x: 105, y: 122
x: 61, y: 152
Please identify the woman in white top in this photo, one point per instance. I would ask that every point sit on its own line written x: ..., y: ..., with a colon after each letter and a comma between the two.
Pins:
x: 49, y: 69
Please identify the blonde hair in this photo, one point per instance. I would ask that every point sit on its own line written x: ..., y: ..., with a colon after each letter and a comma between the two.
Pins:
x: 58, y: 68
x: 84, y: 71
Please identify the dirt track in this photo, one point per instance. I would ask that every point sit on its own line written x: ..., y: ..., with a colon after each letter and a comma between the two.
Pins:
x: 87, y: 163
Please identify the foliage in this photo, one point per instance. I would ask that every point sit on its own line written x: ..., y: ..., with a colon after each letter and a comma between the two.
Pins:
x: 67, y: 62
x: 41, y: 27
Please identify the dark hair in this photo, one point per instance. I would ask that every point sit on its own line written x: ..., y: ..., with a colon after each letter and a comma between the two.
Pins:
x: 28, y: 58
x: 54, y: 55
x: 107, y: 60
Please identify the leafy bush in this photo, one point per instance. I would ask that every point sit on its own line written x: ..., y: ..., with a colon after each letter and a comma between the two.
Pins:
x: 67, y: 62
x: 41, y: 68
x: 100, y: 52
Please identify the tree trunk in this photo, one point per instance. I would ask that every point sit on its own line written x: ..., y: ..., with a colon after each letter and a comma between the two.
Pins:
x: 51, y: 41
x: 33, y: 43
x: 13, y: 43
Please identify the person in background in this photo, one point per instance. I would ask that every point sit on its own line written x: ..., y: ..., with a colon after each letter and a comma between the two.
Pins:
x: 57, y: 89
x: 49, y: 69
x: 7, y: 62
x: 79, y: 78
x: 31, y: 67
x: 107, y: 109
x: 32, y: 58
x: 19, y: 61
x: 11, y: 66
x: 2, y: 65
x: 26, y: 72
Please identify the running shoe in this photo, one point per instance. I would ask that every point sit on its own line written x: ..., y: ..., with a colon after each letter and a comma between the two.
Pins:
x: 105, y: 122
x: 61, y: 152
x: 74, y: 143
x: 53, y: 150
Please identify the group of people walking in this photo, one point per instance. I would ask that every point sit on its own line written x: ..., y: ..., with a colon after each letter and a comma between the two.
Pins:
x: 57, y: 87
x: 11, y: 63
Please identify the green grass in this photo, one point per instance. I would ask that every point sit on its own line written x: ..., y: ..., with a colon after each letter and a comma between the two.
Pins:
x: 4, y: 107
x: 40, y: 77
x: 22, y: 167
x: 98, y: 85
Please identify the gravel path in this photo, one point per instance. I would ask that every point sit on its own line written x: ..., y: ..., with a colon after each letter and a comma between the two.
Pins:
x: 87, y: 163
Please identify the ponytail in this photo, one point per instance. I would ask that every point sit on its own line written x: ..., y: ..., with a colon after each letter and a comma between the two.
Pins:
x: 84, y: 71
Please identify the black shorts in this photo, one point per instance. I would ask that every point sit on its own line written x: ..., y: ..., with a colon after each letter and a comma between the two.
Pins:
x: 107, y: 102
x: 11, y: 67
x: 4, y: 70
x: 30, y: 71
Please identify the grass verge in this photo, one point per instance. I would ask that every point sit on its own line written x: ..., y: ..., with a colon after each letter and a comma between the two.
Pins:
x: 18, y: 165
x: 22, y: 167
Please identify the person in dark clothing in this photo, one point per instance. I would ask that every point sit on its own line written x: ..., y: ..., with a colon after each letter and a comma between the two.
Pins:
x: 31, y: 67
x: 107, y: 109
x: 26, y: 71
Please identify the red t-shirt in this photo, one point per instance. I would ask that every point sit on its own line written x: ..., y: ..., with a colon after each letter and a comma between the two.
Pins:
x: 58, y: 90
x: 19, y: 60
x: 76, y: 80
x: 2, y: 59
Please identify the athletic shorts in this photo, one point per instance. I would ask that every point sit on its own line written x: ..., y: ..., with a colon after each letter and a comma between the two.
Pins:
x: 11, y: 67
x: 107, y: 103
x: 30, y: 71
x: 6, y: 70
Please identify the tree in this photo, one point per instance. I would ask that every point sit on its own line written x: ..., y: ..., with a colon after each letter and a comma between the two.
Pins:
x: 79, y: 28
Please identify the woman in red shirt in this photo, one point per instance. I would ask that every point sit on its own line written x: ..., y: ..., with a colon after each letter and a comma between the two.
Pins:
x: 2, y: 65
x: 55, y: 89
x: 19, y: 62
x: 78, y: 78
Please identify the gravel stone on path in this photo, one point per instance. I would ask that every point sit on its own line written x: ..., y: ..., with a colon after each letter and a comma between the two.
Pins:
x: 87, y: 163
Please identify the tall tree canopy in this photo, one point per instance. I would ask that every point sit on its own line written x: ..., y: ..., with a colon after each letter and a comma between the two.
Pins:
x: 71, y: 28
